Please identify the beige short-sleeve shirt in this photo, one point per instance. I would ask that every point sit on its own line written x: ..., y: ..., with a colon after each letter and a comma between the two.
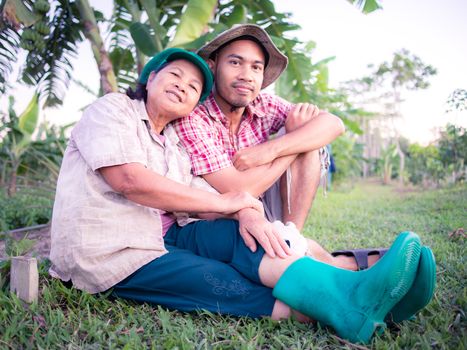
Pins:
x: 98, y: 236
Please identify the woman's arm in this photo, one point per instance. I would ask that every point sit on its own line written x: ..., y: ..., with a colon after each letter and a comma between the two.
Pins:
x: 145, y: 187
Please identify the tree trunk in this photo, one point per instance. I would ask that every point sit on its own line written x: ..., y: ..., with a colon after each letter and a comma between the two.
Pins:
x: 12, y: 185
x: 12, y: 181
x: 367, y: 146
x: 398, y: 146
x: 401, y: 162
x: 387, y: 171
x: 91, y: 31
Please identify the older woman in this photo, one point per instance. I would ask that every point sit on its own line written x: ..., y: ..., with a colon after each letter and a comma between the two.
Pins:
x: 121, y: 221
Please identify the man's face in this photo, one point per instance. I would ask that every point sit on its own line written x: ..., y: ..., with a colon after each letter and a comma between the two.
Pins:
x: 238, y: 71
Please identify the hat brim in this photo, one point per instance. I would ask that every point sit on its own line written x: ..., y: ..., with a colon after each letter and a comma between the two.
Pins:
x: 277, y: 60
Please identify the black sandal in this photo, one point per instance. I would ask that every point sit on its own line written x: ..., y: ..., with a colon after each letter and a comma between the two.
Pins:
x: 361, y: 255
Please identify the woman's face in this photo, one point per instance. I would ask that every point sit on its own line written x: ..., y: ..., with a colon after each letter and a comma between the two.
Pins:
x: 175, y: 90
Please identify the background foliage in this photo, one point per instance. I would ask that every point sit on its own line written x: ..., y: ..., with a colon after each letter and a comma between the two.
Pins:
x: 357, y: 215
x: 49, y: 32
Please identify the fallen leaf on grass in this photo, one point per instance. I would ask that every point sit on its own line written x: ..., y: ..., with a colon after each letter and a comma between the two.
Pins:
x: 137, y: 330
x: 41, y: 320
x: 455, y: 324
x: 457, y: 234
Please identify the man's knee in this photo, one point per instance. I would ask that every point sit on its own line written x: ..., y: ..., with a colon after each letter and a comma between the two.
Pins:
x: 307, y: 163
x: 310, y: 157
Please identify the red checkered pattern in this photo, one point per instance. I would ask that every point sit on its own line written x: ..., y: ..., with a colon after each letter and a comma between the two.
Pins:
x: 210, y: 143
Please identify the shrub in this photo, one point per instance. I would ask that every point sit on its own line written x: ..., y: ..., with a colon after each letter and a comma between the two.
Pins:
x: 24, y: 209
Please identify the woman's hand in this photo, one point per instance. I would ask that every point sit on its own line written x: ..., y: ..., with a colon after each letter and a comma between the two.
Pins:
x: 234, y: 201
x: 255, y: 228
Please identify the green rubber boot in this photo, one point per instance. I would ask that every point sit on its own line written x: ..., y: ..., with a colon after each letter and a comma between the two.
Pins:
x: 421, y: 291
x: 353, y: 303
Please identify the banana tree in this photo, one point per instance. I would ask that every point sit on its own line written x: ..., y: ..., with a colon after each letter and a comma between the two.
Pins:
x: 18, y: 131
x: 388, y: 157
x: 194, y: 22
x: 92, y: 33
x: 366, y: 6
x: 140, y: 29
x: 49, y: 32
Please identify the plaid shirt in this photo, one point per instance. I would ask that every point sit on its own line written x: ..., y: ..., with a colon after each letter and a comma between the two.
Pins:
x: 210, y: 143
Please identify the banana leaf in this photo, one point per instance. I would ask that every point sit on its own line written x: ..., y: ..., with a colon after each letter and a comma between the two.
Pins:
x: 193, y: 21
x: 27, y: 121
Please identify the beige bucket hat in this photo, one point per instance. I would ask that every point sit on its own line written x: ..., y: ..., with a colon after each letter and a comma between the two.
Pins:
x: 277, y: 60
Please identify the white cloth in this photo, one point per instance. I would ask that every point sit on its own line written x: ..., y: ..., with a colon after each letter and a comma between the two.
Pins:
x: 290, y: 233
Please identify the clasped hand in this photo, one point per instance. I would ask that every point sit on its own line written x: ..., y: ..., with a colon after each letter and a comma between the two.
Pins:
x: 253, y: 156
x: 264, y: 153
x: 255, y: 228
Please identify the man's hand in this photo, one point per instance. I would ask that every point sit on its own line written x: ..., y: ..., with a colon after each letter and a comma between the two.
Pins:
x: 265, y: 153
x: 300, y: 114
x: 253, y: 156
x: 253, y: 226
x: 235, y: 200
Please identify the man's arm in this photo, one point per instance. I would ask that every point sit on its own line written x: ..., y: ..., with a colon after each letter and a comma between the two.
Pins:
x: 254, y: 181
x: 256, y: 168
x: 314, y: 134
x: 308, y: 129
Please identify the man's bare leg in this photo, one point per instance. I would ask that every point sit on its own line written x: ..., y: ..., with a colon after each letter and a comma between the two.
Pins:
x: 306, y: 173
x: 306, y: 170
x: 281, y: 311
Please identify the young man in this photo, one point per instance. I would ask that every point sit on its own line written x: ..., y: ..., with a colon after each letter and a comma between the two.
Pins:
x: 228, y: 137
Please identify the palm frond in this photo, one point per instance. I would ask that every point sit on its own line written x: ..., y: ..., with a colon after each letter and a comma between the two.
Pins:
x: 119, y: 31
x: 122, y: 51
x: 9, y: 44
x: 51, y: 68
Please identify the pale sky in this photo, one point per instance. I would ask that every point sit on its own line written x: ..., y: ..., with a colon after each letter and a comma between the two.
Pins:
x: 436, y: 31
x: 431, y: 29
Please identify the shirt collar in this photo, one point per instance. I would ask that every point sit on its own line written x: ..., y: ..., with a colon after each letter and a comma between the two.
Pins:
x: 141, y: 108
x: 169, y: 131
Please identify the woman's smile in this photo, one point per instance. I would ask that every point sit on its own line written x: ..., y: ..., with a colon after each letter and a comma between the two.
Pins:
x: 173, y: 95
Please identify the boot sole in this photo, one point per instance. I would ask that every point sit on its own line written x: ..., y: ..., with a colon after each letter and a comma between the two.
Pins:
x: 421, y: 292
x: 400, y: 280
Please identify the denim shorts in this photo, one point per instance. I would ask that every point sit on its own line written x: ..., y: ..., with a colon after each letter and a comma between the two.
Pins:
x: 208, y: 267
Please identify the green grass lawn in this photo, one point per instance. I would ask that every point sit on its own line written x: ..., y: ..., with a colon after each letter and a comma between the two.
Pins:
x: 367, y: 215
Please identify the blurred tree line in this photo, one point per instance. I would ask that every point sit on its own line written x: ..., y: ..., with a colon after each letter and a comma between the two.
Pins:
x: 48, y: 32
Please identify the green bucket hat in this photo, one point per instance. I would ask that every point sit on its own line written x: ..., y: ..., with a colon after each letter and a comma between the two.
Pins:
x: 172, y: 54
